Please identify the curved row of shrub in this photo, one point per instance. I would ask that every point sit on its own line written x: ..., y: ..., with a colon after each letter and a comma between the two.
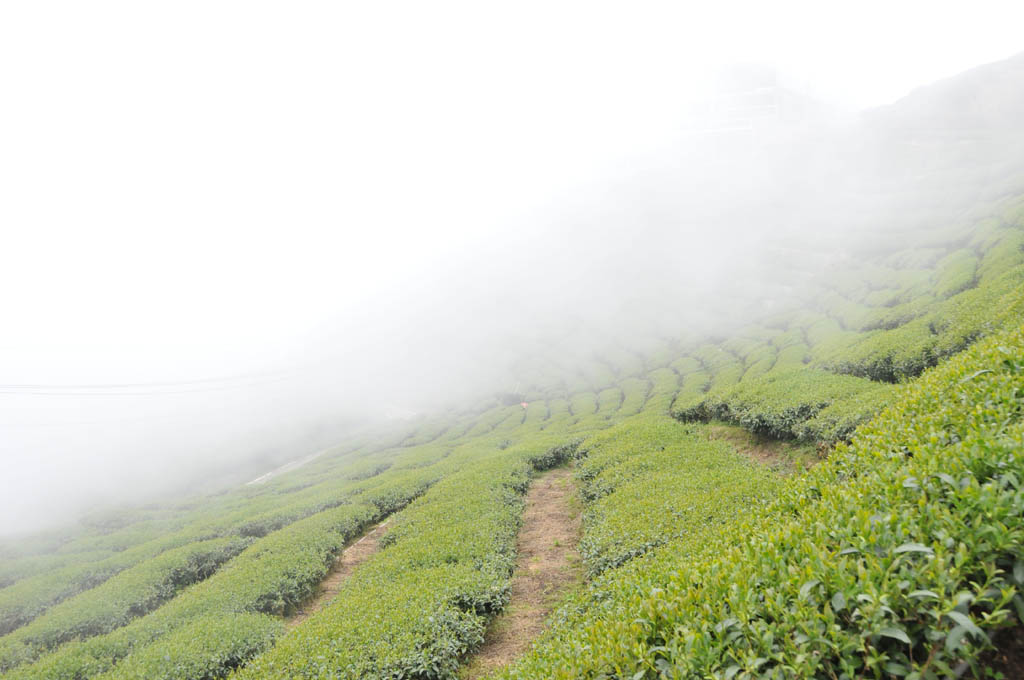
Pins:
x: 130, y: 594
x: 808, y: 405
x: 252, y: 513
x: 390, y: 479
x: 649, y: 480
x: 414, y: 609
x: 925, y: 304
x: 900, y: 556
x: 268, y: 579
x: 23, y: 601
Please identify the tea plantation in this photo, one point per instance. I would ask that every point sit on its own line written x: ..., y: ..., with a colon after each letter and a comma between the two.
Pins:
x: 871, y: 526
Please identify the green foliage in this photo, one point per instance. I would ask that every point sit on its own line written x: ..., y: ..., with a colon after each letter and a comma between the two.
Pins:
x: 650, y: 480
x: 634, y: 395
x: 1005, y: 254
x: 30, y: 597
x: 692, y: 574
x: 686, y: 364
x: 536, y: 413
x: 15, y: 569
x: 445, y: 571
x: 608, y: 400
x: 850, y: 314
x: 583, y: 404
x: 896, y: 558
x: 555, y: 456
x: 203, y: 649
x: 727, y: 375
x: 792, y: 356
x: 888, y: 318
x: 131, y: 593
x: 783, y: 405
x: 824, y: 331
x: 695, y: 385
x: 272, y: 576
x: 955, y: 273
x: 891, y: 356
x: 664, y: 385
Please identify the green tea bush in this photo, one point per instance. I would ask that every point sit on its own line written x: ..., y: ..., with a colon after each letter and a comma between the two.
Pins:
x: 634, y: 396
x: 758, y: 368
x: 489, y: 420
x: 782, y: 405
x: 203, y: 649
x: 790, y: 357
x: 25, y: 600
x: 15, y: 569
x: 898, y: 557
x: 686, y: 364
x: 131, y: 593
x: 851, y: 315
x: 888, y: 318
x: 555, y: 456
x: 272, y: 576
x: 824, y: 331
x: 955, y: 273
x: 952, y: 325
x: 417, y: 607
x: 583, y: 403
x: 885, y: 297
x: 609, y: 400
x: 695, y: 385
x: 559, y: 415
x: 536, y: 413
x: 1005, y: 254
x: 650, y: 480
x: 664, y: 386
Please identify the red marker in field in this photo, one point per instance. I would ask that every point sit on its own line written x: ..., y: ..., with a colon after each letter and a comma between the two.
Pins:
x: 523, y: 404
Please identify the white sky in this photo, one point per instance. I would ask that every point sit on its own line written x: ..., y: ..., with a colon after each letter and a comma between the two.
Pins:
x: 179, y: 178
x: 195, y: 189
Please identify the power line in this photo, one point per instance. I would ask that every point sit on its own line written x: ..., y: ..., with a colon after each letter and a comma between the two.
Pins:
x: 145, y: 389
x: 171, y: 383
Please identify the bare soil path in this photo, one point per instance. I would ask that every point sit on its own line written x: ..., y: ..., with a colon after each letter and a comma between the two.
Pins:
x: 547, y: 566
x: 350, y: 558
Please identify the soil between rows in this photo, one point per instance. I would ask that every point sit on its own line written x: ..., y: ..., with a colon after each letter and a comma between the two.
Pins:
x: 350, y: 558
x: 547, y: 566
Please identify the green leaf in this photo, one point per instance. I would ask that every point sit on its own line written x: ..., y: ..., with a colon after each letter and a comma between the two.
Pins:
x: 897, y: 669
x: 895, y: 633
x: 974, y: 375
x: 954, y: 639
x: 923, y: 593
x: 966, y: 622
x: 805, y: 589
x: 913, y: 547
x: 838, y: 601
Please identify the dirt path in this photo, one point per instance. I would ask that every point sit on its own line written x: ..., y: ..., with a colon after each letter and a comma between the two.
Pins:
x: 350, y: 558
x: 547, y: 565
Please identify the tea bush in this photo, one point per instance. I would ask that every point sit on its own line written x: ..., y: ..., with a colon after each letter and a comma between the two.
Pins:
x: 131, y: 593
x: 898, y: 557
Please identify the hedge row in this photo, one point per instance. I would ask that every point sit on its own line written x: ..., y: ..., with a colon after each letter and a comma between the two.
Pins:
x: 899, y: 557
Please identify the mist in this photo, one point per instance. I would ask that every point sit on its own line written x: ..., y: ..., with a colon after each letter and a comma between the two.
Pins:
x: 235, y: 235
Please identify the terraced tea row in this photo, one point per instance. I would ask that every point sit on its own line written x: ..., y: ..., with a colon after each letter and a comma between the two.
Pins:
x: 898, y: 557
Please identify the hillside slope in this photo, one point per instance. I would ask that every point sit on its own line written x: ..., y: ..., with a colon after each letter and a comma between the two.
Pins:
x: 900, y: 555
